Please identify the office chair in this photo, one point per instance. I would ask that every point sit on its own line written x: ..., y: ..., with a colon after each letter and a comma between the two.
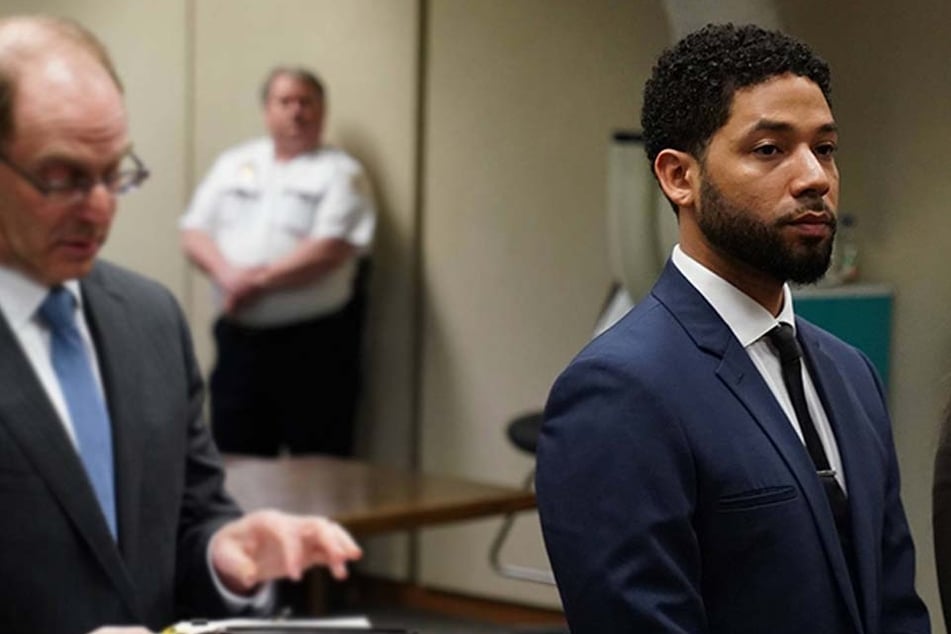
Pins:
x: 523, y: 433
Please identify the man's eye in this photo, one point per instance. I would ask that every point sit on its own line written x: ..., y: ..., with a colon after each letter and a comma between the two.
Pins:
x: 62, y: 177
x: 827, y: 149
x: 766, y: 150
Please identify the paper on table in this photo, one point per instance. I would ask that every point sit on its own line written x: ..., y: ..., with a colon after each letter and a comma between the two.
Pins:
x: 236, y: 625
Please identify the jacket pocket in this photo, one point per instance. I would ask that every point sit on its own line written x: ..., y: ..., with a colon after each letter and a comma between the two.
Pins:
x: 756, y: 498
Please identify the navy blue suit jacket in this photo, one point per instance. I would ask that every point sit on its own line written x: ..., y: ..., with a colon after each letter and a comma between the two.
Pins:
x: 675, y: 496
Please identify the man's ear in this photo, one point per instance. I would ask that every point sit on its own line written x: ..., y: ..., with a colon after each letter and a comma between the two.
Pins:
x: 679, y: 176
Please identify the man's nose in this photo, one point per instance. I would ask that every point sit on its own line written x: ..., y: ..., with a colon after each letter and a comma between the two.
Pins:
x: 98, y: 203
x: 813, y: 177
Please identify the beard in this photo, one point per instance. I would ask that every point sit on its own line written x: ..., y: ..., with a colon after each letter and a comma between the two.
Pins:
x: 738, y: 232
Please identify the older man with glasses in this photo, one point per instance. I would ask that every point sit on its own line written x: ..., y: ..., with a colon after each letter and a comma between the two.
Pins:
x: 114, y: 511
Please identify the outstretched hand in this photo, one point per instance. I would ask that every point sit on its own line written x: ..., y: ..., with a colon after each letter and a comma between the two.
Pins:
x: 267, y: 545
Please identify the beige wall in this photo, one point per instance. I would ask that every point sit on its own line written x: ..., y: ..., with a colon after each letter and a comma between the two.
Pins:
x: 522, y: 97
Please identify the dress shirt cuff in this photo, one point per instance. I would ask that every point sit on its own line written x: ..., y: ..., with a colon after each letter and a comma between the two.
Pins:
x: 259, y: 602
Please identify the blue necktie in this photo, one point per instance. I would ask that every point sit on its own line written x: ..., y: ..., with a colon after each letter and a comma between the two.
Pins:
x: 83, y: 397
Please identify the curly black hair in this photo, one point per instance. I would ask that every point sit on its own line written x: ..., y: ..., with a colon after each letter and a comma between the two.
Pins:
x: 689, y: 93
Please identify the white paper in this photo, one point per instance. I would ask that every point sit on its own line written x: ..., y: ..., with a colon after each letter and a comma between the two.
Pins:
x: 206, y: 627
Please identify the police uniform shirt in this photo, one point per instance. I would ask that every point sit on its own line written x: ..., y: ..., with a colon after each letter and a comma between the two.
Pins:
x: 258, y: 210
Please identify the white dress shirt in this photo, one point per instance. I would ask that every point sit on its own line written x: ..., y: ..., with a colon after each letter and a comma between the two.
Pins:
x: 20, y: 299
x: 750, y: 322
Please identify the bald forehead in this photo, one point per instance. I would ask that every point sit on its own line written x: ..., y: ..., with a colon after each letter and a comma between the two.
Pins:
x: 29, y: 43
x: 69, y: 78
x: 26, y: 37
x: 296, y: 78
x: 20, y: 36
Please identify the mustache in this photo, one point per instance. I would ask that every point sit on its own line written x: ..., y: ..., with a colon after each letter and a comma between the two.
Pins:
x: 815, y: 204
x: 82, y: 232
x: 815, y: 210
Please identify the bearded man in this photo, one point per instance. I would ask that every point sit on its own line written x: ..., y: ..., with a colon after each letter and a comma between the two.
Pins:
x: 714, y: 463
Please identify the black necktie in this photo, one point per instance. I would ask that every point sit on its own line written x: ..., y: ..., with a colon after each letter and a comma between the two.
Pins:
x: 790, y: 354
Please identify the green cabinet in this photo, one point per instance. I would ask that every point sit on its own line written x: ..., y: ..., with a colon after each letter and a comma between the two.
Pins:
x: 860, y: 314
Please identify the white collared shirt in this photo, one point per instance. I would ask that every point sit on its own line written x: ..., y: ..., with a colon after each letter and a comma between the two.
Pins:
x: 750, y: 322
x: 20, y: 299
x: 258, y: 209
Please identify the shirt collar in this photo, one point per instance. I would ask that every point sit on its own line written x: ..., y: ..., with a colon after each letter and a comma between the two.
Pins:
x: 21, y: 296
x: 747, y: 319
x: 271, y: 152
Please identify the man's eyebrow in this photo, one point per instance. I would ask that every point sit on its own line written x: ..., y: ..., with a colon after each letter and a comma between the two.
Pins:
x: 68, y: 158
x: 772, y: 125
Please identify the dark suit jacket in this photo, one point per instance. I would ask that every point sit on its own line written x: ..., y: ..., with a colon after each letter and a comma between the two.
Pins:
x: 675, y: 496
x: 60, y: 570
x: 941, y: 515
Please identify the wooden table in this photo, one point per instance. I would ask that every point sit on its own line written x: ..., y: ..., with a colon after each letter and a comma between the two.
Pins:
x: 367, y: 499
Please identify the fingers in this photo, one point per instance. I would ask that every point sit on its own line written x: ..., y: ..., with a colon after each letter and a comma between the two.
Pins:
x: 267, y: 545
x: 240, y: 286
x: 232, y: 556
x: 328, y: 543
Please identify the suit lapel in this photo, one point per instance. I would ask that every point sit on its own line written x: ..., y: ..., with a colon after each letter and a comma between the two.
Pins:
x: 769, y: 416
x: 855, y: 446
x: 32, y: 421
x: 740, y: 376
x: 111, y: 326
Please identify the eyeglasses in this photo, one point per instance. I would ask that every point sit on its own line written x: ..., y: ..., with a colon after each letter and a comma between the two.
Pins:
x: 75, y: 186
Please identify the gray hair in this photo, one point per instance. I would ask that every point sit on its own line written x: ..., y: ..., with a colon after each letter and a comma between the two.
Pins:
x: 299, y: 73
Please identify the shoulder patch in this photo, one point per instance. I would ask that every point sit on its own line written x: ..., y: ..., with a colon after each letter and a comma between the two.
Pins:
x: 359, y: 182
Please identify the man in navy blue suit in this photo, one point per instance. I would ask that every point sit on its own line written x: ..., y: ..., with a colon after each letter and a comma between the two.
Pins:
x: 713, y: 463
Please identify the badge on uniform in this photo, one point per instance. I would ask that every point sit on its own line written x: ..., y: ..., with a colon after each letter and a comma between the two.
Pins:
x: 246, y: 174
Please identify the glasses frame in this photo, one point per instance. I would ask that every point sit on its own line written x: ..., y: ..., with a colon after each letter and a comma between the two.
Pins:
x: 80, y: 188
